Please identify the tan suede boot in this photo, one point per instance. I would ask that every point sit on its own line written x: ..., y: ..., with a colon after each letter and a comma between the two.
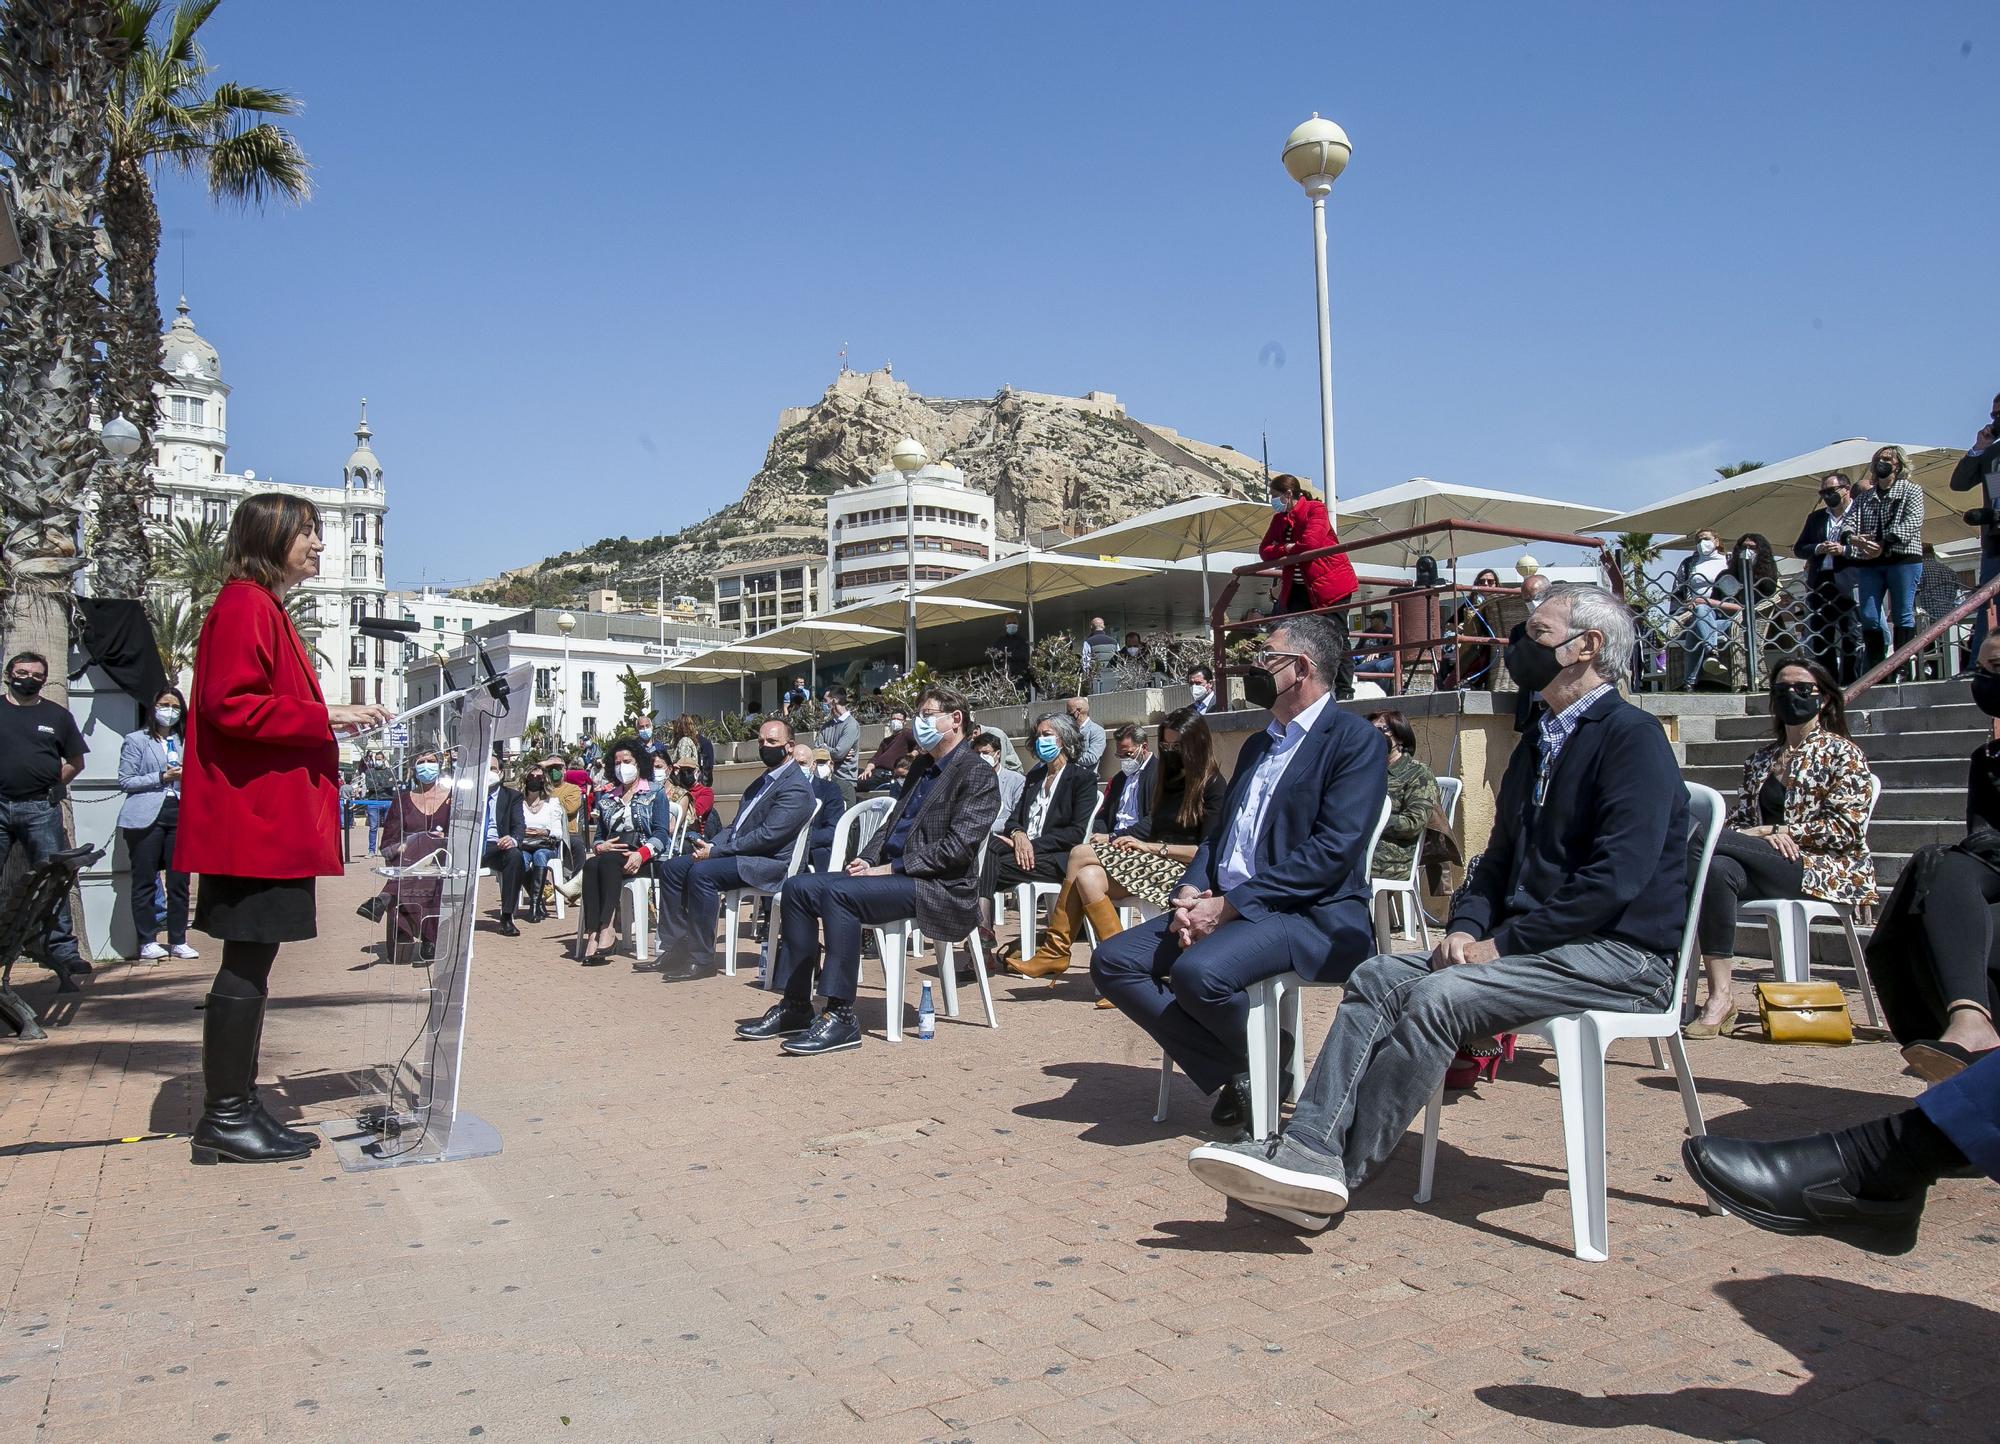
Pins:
x: 1103, y: 915
x: 1052, y: 956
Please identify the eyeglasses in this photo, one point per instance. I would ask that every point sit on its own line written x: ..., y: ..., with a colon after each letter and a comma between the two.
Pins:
x: 1802, y: 689
x: 1265, y: 658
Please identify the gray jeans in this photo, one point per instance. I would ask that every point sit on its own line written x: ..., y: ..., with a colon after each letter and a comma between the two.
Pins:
x: 1400, y: 1024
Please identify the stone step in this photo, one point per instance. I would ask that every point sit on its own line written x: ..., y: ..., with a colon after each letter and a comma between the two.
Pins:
x: 1922, y: 803
x: 1890, y: 747
x: 1957, y: 718
x: 1906, y: 835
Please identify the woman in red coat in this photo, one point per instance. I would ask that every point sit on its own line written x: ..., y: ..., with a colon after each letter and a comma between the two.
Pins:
x: 1301, y: 525
x: 260, y: 809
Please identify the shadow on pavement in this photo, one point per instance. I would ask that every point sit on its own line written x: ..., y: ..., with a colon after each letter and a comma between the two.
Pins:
x: 1808, y: 1316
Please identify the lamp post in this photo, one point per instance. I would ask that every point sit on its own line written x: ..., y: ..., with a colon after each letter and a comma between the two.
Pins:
x: 565, y: 623
x: 1315, y: 155
x: 908, y: 456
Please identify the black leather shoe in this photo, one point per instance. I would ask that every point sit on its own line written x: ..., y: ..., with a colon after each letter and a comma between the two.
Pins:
x: 781, y: 1020
x: 374, y: 908
x: 830, y: 1033
x: 1232, y: 1104
x: 1800, y: 1185
x: 507, y: 928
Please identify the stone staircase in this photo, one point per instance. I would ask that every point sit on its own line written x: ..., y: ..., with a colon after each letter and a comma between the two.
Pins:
x: 1918, y: 737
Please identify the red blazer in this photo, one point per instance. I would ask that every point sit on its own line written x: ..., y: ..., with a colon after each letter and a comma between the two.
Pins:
x: 260, y: 796
x: 1304, y: 528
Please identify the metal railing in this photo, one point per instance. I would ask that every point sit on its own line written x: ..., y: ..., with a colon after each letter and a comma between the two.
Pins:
x: 1981, y: 596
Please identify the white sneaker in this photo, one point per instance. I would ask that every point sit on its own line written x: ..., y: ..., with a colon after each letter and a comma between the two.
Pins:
x: 1310, y: 1222
x: 151, y: 953
x: 1278, y: 1174
x: 182, y: 950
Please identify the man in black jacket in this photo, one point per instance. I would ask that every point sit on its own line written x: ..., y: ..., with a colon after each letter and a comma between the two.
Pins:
x: 506, y: 830
x: 922, y: 864
x: 1578, y: 903
x: 1979, y: 469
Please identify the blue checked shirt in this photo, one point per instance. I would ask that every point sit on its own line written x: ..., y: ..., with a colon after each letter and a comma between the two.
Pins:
x: 1555, y: 730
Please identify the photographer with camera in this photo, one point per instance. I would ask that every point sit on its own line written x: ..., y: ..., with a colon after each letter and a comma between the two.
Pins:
x: 1980, y: 468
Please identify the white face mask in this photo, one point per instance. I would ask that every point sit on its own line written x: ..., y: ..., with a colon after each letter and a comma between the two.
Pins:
x: 1705, y: 547
x: 1130, y: 765
x: 993, y: 760
x: 895, y: 724
x: 168, y: 716
x: 492, y: 780
x: 823, y: 769
x: 628, y: 773
x: 1200, y: 690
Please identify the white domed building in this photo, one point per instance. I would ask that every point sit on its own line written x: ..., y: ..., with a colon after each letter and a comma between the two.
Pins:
x: 192, y: 482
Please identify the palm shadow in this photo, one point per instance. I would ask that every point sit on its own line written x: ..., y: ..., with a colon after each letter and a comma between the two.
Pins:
x: 1944, y: 1348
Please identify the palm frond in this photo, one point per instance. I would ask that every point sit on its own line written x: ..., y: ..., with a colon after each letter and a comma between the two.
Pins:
x: 182, y: 42
x: 256, y: 99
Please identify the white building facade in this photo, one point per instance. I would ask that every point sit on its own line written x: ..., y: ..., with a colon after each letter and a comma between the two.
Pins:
x: 868, y: 529
x: 193, y: 483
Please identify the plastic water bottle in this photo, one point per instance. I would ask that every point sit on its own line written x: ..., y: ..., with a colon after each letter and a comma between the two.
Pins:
x: 926, y: 1014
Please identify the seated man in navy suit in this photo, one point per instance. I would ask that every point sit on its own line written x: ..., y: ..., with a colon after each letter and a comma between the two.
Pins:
x: 1281, y: 884
x: 753, y: 851
x: 817, y: 765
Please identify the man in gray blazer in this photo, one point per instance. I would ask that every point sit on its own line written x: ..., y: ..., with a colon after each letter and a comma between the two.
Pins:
x: 753, y: 851
x: 923, y: 863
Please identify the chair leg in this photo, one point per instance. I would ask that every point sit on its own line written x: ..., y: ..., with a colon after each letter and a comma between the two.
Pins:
x: 1859, y: 959
x: 1690, y: 1100
x: 1658, y: 1061
x: 1580, y: 1075
x: 1381, y: 911
x: 1427, y: 1163
x: 979, y: 972
x: 732, y: 905
x: 1293, y: 1012
x: 1423, y: 922
x: 1166, y: 1081
x: 1261, y: 1040
x: 1024, y: 904
x: 889, y: 942
x: 948, y: 977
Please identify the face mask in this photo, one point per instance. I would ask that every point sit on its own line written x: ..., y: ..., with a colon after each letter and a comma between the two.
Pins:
x: 166, y: 716
x: 1986, y: 693
x: 627, y: 774
x: 533, y: 782
x: 772, y: 756
x: 1200, y: 690
x: 1794, y: 709
x: 1046, y: 747
x: 1279, y: 503
x: 1705, y: 547
x: 1533, y: 664
x: 1012, y: 629
x: 492, y: 780
x: 993, y: 760
x: 1260, y: 685
x: 1882, y: 469
x: 823, y: 769
x: 644, y: 733
x: 1171, y: 764
x: 426, y: 773
x: 1832, y: 501
x: 926, y: 731
x: 895, y: 724
x: 1130, y: 765
x: 25, y: 686
x: 1131, y: 651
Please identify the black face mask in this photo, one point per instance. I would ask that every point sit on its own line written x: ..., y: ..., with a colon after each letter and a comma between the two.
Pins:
x: 1883, y: 468
x: 1171, y: 764
x: 1533, y: 664
x: 1986, y: 693
x: 25, y: 686
x: 1795, y: 709
x: 774, y: 755
x: 1260, y: 688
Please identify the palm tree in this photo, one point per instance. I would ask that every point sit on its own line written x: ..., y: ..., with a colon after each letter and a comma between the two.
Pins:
x: 191, y: 560
x: 1725, y: 472
x: 176, y: 629
x: 56, y: 64
x: 165, y: 112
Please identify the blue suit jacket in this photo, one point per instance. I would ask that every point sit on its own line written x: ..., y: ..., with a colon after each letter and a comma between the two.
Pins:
x: 832, y: 803
x: 763, y: 848
x: 142, y: 757
x: 1311, y: 854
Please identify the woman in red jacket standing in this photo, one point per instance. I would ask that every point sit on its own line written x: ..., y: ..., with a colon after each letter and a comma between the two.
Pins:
x: 260, y: 809
x: 1301, y: 525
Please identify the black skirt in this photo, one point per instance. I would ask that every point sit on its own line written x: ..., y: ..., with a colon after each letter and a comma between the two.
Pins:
x: 256, y: 909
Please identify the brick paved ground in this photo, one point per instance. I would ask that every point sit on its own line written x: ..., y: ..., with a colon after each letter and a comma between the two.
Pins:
x: 980, y: 1237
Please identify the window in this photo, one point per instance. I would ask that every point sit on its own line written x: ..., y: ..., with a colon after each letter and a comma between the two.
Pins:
x: 215, y: 512
x: 545, y: 685
x: 437, y: 624
x: 360, y: 527
x: 791, y: 579
x: 378, y: 568
x: 587, y: 692
x: 357, y: 692
x: 357, y: 609
x: 357, y: 568
x: 465, y: 624
x: 378, y: 531
x: 378, y: 691
x: 590, y: 726
x: 187, y: 410
x: 729, y: 587
x: 159, y: 508
x: 381, y: 655
x: 729, y: 612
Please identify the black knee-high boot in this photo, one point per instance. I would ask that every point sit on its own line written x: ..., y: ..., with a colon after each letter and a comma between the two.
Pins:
x: 298, y: 1138
x: 232, y: 1127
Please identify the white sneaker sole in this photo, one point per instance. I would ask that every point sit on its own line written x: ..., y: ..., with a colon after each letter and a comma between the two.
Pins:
x: 1311, y: 1222
x: 1260, y: 1183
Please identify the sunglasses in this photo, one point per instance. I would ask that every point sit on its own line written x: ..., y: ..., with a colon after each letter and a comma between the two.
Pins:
x: 1802, y: 689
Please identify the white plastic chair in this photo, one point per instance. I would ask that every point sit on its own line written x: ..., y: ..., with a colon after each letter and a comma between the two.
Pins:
x: 1581, y: 1040
x: 637, y: 901
x: 1028, y: 895
x: 732, y: 899
x: 1268, y: 999
x: 1789, y: 922
x: 856, y: 829
x: 892, y: 941
x: 1449, y: 789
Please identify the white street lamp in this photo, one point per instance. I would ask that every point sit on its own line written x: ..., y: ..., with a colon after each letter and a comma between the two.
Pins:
x: 1315, y: 155
x: 120, y: 438
x: 565, y: 623
x: 909, y: 457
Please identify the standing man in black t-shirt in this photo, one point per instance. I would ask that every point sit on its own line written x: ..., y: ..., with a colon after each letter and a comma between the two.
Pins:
x: 40, y: 751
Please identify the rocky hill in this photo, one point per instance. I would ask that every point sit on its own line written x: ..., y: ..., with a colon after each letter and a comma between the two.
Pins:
x: 1064, y: 463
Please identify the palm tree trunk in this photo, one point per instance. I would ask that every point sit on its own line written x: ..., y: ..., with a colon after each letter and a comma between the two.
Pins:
x: 57, y: 74
x: 120, y: 548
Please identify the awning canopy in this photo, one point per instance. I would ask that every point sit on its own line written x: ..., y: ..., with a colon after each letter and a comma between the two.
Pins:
x: 1421, y: 501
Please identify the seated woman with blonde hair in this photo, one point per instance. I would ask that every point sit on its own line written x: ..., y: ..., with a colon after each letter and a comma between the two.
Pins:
x: 1145, y: 863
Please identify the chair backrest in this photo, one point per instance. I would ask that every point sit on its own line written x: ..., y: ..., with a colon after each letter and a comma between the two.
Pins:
x: 1706, y: 811
x: 856, y: 827
x: 681, y: 818
x: 1375, y: 838
x: 1874, y: 796
x: 1450, y: 789
x: 1095, y: 808
x: 803, y: 841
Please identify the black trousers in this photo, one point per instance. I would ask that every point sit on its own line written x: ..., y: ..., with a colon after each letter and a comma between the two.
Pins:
x: 1958, y: 927
x: 1049, y: 867
x: 151, y: 849
x: 835, y: 905
x: 508, y: 868
x: 603, y: 880
x: 1742, y: 867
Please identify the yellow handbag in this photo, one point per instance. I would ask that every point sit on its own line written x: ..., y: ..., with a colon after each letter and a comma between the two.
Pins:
x: 1804, y: 1013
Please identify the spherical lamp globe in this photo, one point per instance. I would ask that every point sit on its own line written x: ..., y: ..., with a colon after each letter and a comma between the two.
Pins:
x: 120, y: 437
x: 1316, y: 153
x: 908, y: 455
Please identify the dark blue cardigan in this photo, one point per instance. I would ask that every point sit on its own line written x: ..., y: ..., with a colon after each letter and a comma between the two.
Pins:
x: 1604, y: 856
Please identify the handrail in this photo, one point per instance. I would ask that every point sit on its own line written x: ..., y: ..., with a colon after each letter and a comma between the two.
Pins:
x: 1981, y: 596
x: 1218, y: 616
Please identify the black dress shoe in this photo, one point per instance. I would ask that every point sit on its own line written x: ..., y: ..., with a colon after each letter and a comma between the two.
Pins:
x: 781, y: 1020
x: 830, y: 1033
x: 507, y: 928
x: 374, y: 908
x: 1800, y: 1185
x: 1232, y: 1104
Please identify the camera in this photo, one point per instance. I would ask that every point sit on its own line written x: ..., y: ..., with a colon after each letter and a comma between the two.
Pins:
x: 1979, y: 516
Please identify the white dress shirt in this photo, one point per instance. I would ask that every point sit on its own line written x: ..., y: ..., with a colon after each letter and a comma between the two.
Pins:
x: 1239, y: 846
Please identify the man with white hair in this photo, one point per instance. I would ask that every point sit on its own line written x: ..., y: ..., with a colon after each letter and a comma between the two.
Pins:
x: 1578, y: 902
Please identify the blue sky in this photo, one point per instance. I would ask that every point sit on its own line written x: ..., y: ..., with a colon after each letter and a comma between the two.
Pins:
x: 578, y: 257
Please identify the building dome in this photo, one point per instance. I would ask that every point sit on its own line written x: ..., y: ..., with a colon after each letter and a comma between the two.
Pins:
x: 363, y: 467
x: 184, y: 352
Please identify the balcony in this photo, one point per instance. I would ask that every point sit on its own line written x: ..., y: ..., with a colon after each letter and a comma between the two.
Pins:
x: 166, y: 430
